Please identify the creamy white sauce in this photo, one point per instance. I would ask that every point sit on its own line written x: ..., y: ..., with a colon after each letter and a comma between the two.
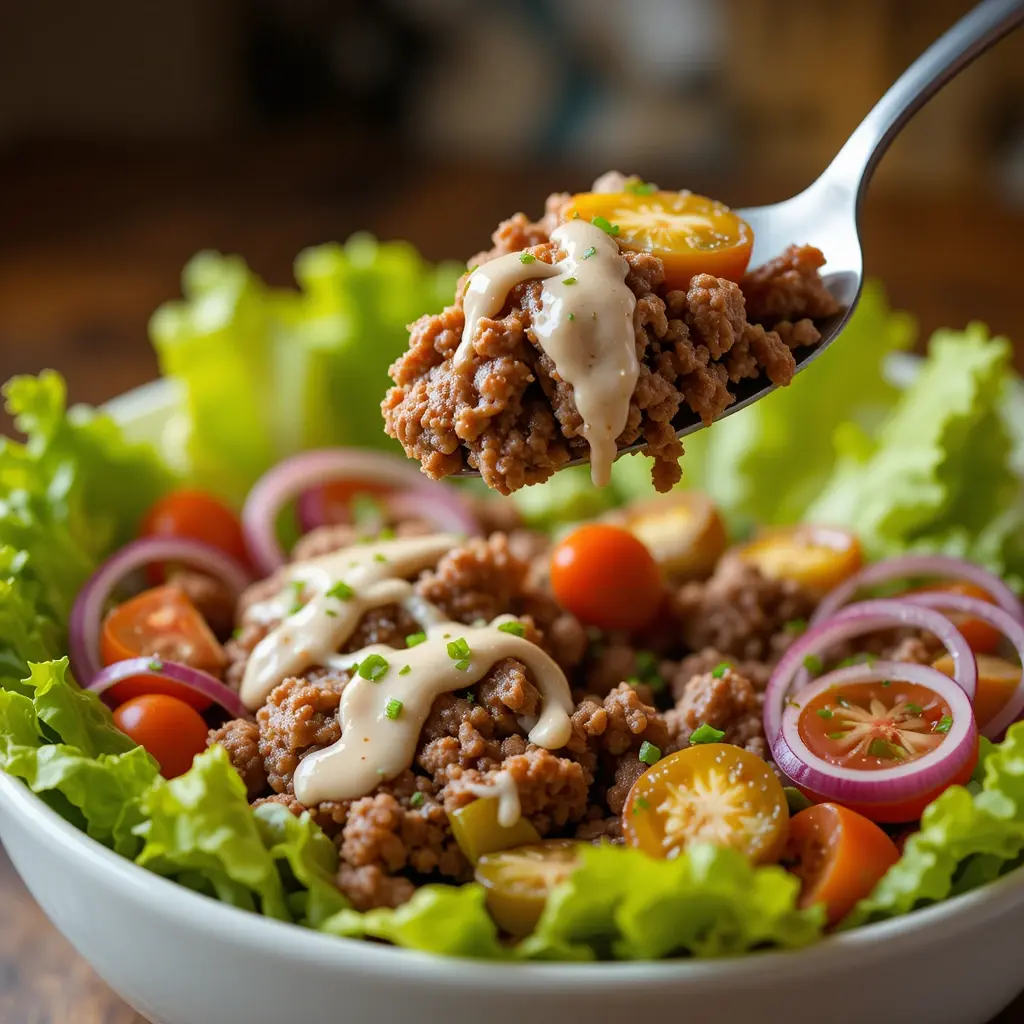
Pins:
x: 374, y: 748
x: 503, y: 787
x: 370, y: 575
x: 584, y: 324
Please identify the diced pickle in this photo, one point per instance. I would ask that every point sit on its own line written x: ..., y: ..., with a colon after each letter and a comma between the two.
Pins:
x: 519, y: 881
x: 477, y: 830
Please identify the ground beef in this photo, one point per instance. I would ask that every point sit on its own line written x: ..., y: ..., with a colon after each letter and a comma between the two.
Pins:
x: 789, y: 287
x: 728, y: 702
x: 708, y: 659
x: 740, y: 612
x: 508, y: 415
x: 240, y: 738
x: 598, y: 825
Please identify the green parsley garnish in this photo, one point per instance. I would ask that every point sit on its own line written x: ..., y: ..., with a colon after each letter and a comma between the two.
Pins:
x: 572, y: 316
x: 588, y: 252
x: 569, y: 280
x: 417, y: 800
x: 463, y: 666
x: 468, y: 695
x: 515, y: 628
x: 297, y: 586
x: 386, y: 534
x: 836, y: 735
x: 720, y: 669
x: 413, y: 639
x: 812, y: 663
x: 705, y: 733
x: 795, y: 627
x: 331, y: 613
x: 647, y: 670
x: 883, y: 749
x: 825, y: 713
x: 649, y: 753
x: 236, y: 632
x: 393, y: 708
x: 405, y: 670
x: 605, y: 225
x: 155, y: 665
x: 341, y: 591
x: 913, y: 709
x: 641, y: 188
x: 640, y: 804
x: 527, y: 257
x: 944, y: 724
x: 459, y: 649
x: 380, y: 558
x: 373, y: 667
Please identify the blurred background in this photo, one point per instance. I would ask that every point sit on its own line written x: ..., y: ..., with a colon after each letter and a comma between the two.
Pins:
x: 133, y: 133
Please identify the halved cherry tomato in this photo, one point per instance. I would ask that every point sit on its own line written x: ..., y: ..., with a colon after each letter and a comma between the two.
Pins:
x: 713, y: 793
x: 980, y: 636
x: 683, y: 531
x: 169, y: 729
x: 606, y: 577
x: 691, y: 234
x: 819, y: 557
x: 839, y: 856
x: 874, y: 726
x: 519, y: 881
x: 161, y: 623
x: 997, y: 679
x: 195, y: 515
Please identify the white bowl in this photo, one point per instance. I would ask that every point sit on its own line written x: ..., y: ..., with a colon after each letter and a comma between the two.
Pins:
x: 180, y: 958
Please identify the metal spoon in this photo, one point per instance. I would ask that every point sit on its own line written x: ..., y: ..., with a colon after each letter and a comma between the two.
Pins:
x: 827, y: 214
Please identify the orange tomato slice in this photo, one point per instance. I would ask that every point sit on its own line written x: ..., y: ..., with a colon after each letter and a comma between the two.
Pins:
x: 997, y: 679
x: 980, y: 636
x: 690, y: 234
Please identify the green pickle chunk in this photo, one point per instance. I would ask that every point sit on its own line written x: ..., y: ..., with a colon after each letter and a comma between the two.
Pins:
x: 478, y: 832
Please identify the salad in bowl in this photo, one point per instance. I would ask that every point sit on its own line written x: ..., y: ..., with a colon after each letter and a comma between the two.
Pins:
x: 246, y: 646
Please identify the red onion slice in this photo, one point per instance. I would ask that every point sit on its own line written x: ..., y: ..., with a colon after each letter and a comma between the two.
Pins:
x: 89, y: 606
x: 856, y: 620
x: 911, y: 566
x: 193, y: 678
x: 1001, y: 620
x: 885, y: 785
x: 289, y: 479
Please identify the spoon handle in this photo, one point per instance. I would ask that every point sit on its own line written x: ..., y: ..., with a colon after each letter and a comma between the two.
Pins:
x: 971, y: 36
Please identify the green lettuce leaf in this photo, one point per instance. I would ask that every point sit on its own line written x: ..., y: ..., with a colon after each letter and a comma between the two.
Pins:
x: 965, y: 840
x: 268, y: 372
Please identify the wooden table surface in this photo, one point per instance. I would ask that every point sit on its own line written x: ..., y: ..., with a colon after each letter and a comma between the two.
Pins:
x: 92, y: 241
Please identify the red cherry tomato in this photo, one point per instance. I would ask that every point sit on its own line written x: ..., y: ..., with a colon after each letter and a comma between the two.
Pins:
x: 169, y: 729
x: 980, y: 636
x: 606, y: 577
x: 195, y: 515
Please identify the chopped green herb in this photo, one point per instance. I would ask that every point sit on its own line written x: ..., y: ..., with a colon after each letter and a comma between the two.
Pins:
x: 705, y: 733
x: 417, y: 800
x: 380, y: 558
x: 446, y: 636
x: 647, y: 670
x: 386, y: 534
x: 588, y: 252
x: 527, y: 257
x: 825, y: 713
x: 640, y: 804
x: 515, y: 628
x: 458, y: 649
x: 331, y: 613
x: 413, y: 639
x: 572, y: 316
x: 720, y: 669
x: 944, y: 724
x: 812, y: 663
x: 837, y: 735
x: 393, y: 708
x: 373, y: 667
x: 795, y: 627
x: 887, y: 682
x: 463, y: 666
x: 405, y: 670
x: 569, y: 280
x: 641, y: 188
x: 297, y: 586
x: 913, y: 709
x: 883, y: 749
x: 468, y: 695
x: 605, y: 225
x: 341, y: 591
x: 236, y: 633
x: 649, y: 753
x: 155, y: 665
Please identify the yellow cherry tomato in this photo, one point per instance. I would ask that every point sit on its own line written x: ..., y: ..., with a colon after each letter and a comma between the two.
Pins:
x: 691, y: 234
x: 711, y: 793
x: 818, y: 557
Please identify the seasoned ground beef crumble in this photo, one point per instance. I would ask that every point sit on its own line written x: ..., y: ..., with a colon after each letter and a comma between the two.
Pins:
x: 508, y: 415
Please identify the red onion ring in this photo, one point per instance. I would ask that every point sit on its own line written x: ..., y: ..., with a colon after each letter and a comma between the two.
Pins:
x: 87, y: 611
x: 856, y: 620
x: 193, y: 678
x: 289, y: 479
x: 909, y: 566
x: 885, y: 785
x: 1001, y: 620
